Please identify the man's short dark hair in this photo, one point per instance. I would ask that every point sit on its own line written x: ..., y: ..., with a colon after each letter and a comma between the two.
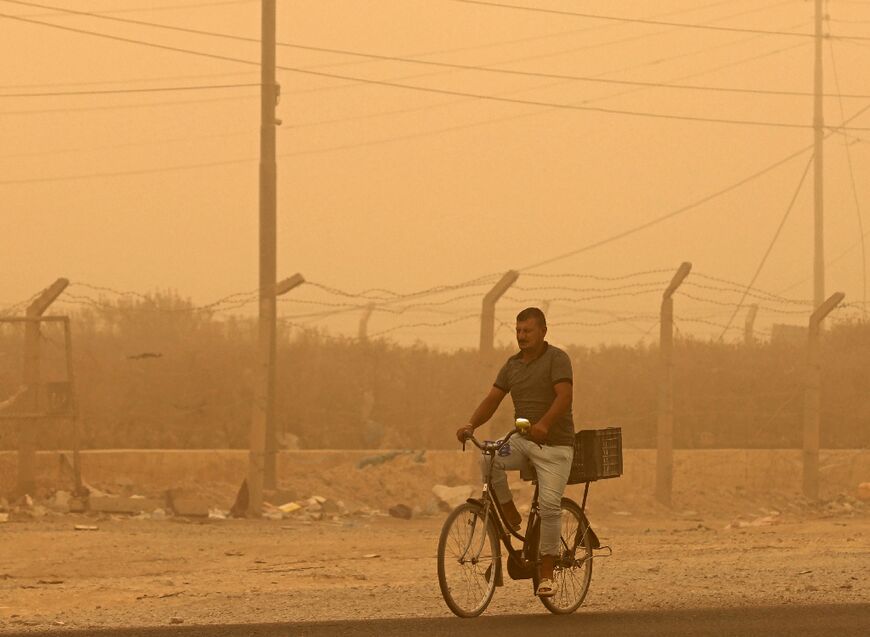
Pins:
x: 535, y: 313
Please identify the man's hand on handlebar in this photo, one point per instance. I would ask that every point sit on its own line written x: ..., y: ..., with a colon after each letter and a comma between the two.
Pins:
x: 464, y: 433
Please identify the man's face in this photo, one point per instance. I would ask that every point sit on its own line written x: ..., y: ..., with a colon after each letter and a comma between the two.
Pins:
x: 530, y: 334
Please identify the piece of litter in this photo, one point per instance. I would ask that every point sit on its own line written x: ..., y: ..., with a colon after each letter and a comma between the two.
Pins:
x: 289, y: 507
x: 86, y: 527
x: 371, y: 555
x: 804, y: 572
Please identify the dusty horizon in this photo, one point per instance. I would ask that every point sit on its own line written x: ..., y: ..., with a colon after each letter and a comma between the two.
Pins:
x: 384, y: 187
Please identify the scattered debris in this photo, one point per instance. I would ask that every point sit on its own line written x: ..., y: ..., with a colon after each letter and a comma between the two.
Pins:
x: 118, y: 504
x: 217, y: 514
x: 370, y: 556
x: 401, y: 511
x: 765, y: 520
x: 85, y: 527
x: 289, y: 507
x: 176, y: 620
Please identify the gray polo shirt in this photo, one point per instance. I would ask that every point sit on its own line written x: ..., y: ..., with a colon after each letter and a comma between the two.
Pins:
x: 531, y: 388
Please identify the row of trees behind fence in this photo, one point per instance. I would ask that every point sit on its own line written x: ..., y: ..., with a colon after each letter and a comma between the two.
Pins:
x: 151, y: 375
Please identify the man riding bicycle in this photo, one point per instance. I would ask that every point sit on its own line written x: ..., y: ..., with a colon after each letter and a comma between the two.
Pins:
x: 540, y: 380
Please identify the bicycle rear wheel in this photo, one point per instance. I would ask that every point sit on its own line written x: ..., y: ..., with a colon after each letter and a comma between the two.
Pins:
x: 468, y: 557
x: 573, y: 571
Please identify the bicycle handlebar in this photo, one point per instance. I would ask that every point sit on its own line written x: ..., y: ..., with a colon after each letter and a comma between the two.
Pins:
x: 490, y: 446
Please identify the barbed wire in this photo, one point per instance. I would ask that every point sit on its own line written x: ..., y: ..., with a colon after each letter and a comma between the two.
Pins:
x: 652, y: 284
x: 11, y: 309
x: 761, y: 308
x: 752, y: 288
x: 595, y: 277
x: 720, y: 326
x: 753, y: 294
x: 415, y: 325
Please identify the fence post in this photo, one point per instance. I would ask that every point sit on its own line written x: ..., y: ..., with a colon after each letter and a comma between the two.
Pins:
x: 363, y: 330
x: 30, y: 400
x: 487, y: 312
x: 749, y: 326
x: 665, y: 428
x: 812, y: 397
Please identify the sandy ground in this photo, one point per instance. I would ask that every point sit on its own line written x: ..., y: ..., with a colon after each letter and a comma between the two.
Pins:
x: 140, y: 572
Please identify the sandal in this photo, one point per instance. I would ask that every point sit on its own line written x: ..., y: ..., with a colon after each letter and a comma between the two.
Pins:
x: 546, y: 588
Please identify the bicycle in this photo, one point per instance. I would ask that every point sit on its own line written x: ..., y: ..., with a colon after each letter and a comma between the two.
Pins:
x: 469, y: 548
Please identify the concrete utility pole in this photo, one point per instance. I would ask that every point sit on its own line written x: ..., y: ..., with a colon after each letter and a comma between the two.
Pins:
x: 812, y: 397
x: 665, y: 429
x: 30, y: 400
x: 263, y: 413
x: 749, y: 326
x: 262, y: 459
x: 271, y: 472
x: 487, y: 312
x: 818, y: 166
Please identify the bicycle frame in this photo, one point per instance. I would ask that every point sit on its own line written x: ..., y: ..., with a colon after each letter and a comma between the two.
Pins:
x: 489, y: 502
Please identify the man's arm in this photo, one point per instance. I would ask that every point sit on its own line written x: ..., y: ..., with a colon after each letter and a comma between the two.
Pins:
x: 483, y: 412
x: 560, y: 406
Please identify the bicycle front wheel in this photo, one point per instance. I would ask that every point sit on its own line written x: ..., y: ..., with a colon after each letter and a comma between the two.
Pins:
x: 573, y: 571
x: 467, y: 561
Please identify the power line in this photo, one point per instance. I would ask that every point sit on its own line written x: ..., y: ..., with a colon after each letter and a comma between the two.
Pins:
x: 118, y: 38
x: 115, y: 107
x: 120, y: 91
x: 165, y: 140
x: 549, y: 85
x: 455, y: 66
x: 672, y: 214
x: 686, y: 208
x: 172, y: 7
x: 124, y: 173
x: 549, y: 54
x: 854, y: 187
x: 770, y: 246
x: 162, y: 78
x: 611, y: 18
x: 580, y: 78
x: 577, y: 107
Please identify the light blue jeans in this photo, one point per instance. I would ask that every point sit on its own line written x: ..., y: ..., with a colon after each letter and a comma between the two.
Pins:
x: 553, y: 465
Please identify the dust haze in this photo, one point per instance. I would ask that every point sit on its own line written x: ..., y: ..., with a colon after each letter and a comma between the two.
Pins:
x: 426, y: 150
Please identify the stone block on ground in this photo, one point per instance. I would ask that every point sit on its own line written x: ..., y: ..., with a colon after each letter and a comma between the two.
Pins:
x: 108, y: 504
x: 189, y: 506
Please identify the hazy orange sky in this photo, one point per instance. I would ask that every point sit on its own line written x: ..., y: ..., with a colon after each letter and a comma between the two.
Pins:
x: 384, y: 187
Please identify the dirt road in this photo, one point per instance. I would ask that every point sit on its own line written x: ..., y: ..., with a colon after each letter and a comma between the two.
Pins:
x: 140, y: 573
